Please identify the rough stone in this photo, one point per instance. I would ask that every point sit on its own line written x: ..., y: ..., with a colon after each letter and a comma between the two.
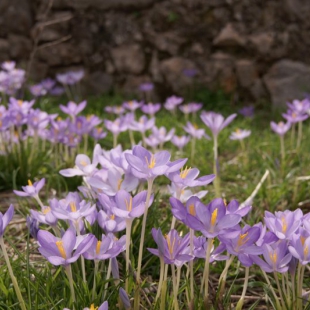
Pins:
x: 287, y: 80
x: 38, y: 70
x: 262, y: 42
x: 132, y: 83
x: 172, y: 70
x: 168, y: 42
x: 228, y: 36
x: 246, y: 72
x: 300, y: 8
x: 20, y: 46
x: 258, y: 90
x: 4, y: 50
x: 128, y: 58
x: 97, y: 83
x: 60, y: 54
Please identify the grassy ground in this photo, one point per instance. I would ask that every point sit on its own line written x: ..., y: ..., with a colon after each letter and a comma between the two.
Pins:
x: 240, y: 171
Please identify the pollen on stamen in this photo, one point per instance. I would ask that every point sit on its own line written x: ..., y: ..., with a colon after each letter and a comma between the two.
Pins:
x: 73, y: 206
x: 214, y: 217
x: 119, y: 184
x: 273, y: 257
x: 191, y: 210
x: 61, y: 249
x: 184, y: 173
x: 112, y: 217
x: 98, y: 247
x: 46, y: 210
x: 151, y: 163
x: 128, y: 204
x: 83, y: 163
x: 29, y: 183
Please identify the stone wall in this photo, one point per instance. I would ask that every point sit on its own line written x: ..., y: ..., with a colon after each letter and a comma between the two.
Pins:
x: 253, y: 49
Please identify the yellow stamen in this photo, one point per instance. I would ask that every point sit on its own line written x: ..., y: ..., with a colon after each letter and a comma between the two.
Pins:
x: 192, y: 210
x: 59, y: 118
x: 225, y: 202
x: 284, y: 224
x: 195, y: 126
x: 92, y: 307
x: 79, y: 125
x: 98, y: 247
x: 89, y: 117
x: 214, y: 217
x: 130, y: 103
x: 129, y: 205
x: 242, y: 239
x: 73, y: 206
x: 83, y: 163
x: 238, y: 130
x: 46, y: 210
x: 29, y: 183
x: 119, y: 184
x: 20, y: 102
x: 302, y: 240
x: 273, y: 256
x: 281, y: 124
x: 61, y: 249
x: 151, y: 163
x: 112, y: 217
x: 184, y: 173
x: 294, y: 115
x: 170, y: 245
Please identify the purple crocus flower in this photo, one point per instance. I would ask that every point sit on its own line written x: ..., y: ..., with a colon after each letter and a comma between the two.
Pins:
x: 280, y: 128
x: 117, y: 126
x: 194, y: 131
x: 65, y: 250
x: 152, y: 141
x: 299, y: 106
x: 216, y: 122
x: 109, y: 222
x: 276, y: 257
x: 71, y: 77
x: 146, y: 87
x: 293, y: 117
x: 143, y: 124
x: 180, y: 141
x: 48, y: 83
x: 5, y: 219
x: 45, y: 216
x: 129, y: 207
x: 173, y: 248
x: 115, y: 110
x: 283, y: 224
x: 212, y: 219
x: 104, y: 306
x: 150, y: 108
x: 132, y: 105
x: 31, y: 190
x: 191, y: 107
x: 105, y: 248
x: 244, y: 244
x: 299, y: 248
x: 124, y: 298
x: 239, y: 134
x: 37, y: 90
x: 200, y: 249
x: 72, y: 108
x: 8, y: 65
x: 247, y: 111
x: 172, y: 102
x: 190, y: 72
x: 146, y: 165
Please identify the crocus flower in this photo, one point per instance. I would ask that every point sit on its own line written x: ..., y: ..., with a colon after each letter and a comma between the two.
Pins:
x: 104, y: 306
x: 239, y: 134
x: 276, y: 257
x: 132, y: 105
x: 105, y: 248
x: 5, y: 219
x: 110, y: 222
x: 173, y: 248
x: 200, y: 249
x: 247, y: 111
x: 180, y: 141
x: 299, y: 248
x: 299, y: 106
x: 172, y: 102
x: 71, y: 77
x: 60, y: 251
x: 143, y: 124
x: 283, y: 224
x: 212, y: 219
x: 146, y: 165
x: 146, y: 87
x: 191, y: 107
x: 194, y: 131
x: 31, y: 190
x: 190, y: 72
x: 280, y: 128
x: 293, y: 117
x: 72, y: 108
x: 216, y: 122
x: 117, y: 126
x: 114, y: 109
x: 150, y: 108
x: 162, y: 134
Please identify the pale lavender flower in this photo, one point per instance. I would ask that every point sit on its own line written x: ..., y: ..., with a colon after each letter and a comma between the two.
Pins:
x: 247, y: 111
x: 172, y: 102
x: 5, y: 219
x: 143, y: 124
x: 8, y: 65
x: 293, y: 117
x: 110, y: 222
x: 239, y: 134
x: 162, y: 134
x: 299, y: 106
x: 200, y: 249
x: 152, y: 141
x: 117, y: 126
x: 191, y: 107
x: 146, y: 87
x: 216, y: 122
x: 299, y: 248
x: 150, y: 108
x: 180, y: 141
x: 118, y: 110
x: 31, y: 190
x: 193, y: 130
x: 280, y: 128
x: 132, y: 105
x: 37, y: 90
x: 70, y: 78
x: 72, y: 108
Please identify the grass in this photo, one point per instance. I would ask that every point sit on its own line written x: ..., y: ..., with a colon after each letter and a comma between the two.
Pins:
x: 46, y: 287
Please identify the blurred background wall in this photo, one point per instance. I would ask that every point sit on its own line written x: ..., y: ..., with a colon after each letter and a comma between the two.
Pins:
x: 248, y: 48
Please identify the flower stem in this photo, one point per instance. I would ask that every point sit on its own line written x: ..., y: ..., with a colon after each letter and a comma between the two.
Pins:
x: 299, y: 137
x: 282, y: 149
x: 217, y: 185
x: 161, y: 278
x: 205, y: 279
x: 223, y: 276
x: 70, y: 278
x: 114, y: 140
x: 191, y: 266
x: 193, y: 149
x: 14, y: 281
x: 128, y: 235
x: 175, y: 288
x: 149, y: 192
x: 77, y: 226
x: 95, y: 273
x: 280, y: 290
x: 245, y: 286
x: 278, y: 307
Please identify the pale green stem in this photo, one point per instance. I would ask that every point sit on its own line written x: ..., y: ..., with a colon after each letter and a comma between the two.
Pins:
x: 132, y: 139
x: 193, y: 149
x: 115, y: 140
x: 95, y: 273
x: 175, y: 289
x: 282, y: 148
x: 300, y: 279
x: 280, y: 290
x: 205, y: 280
x: 223, y: 276
x: 161, y: 277
x: 178, y: 277
x: 14, y: 281
x: 85, y: 138
x: 272, y: 291
x: 137, y: 293
x: 216, y: 181
x: 293, y: 134
x: 143, y: 139
x: 163, y: 295
x: 70, y: 278
x: 128, y: 235
x: 107, y: 278
x: 288, y: 289
x: 191, y: 265
x: 299, y: 138
x: 77, y: 227
x: 245, y: 286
